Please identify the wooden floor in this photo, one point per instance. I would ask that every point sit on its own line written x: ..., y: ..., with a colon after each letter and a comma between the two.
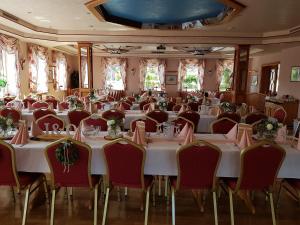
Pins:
x: 76, y: 212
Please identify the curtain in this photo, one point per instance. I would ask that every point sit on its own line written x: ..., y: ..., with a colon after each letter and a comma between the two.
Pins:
x: 38, y: 69
x: 61, y: 71
x: 108, y: 62
x: 9, y: 65
x: 221, y: 66
x: 84, y: 70
x: 143, y: 70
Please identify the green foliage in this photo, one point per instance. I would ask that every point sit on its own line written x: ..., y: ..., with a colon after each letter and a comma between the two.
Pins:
x: 190, y: 82
x: 3, y: 83
x: 151, y: 79
x: 67, y: 153
x: 225, y: 82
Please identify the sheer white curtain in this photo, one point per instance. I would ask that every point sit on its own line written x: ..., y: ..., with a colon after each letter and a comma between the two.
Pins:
x: 9, y: 66
x: 115, y: 72
x: 61, y: 71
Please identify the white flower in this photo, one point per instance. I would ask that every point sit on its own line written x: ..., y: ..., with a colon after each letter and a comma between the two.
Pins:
x: 111, y: 122
x: 269, y: 126
x: 9, y: 122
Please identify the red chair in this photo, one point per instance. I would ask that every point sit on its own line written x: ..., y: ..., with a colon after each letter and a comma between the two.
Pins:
x: 280, y: 114
x: 64, y: 105
x: 38, y: 113
x: 127, y: 101
x: 53, y: 101
x: 252, y: 118
x: 9, y: 175
x: 222, y: 126
x: 231, y: 115
x: 146, y: 106
x: 113, y: 114
x: 159, y: 115
x: 96, y: 122
x: 260, y: 164
x: 8, y: 99
x: 194, y: 106
x: 75, y: 116
x: 50, y: 122
x: 150, y: 124
x: 170, y: 106
x: 39, y: 105
x: 77, y: 174
x: 177, y: 107
x: 125, y: 105
x: 192, y: 116
x: 126, y: 173
x: 142, y: 103
x: 180, y: 121
x: 14, y: 114
x: 110, y: 98
x: 197, y: 165
x: 130, y: 98
x: 99, y: 105
x: 28, y: 100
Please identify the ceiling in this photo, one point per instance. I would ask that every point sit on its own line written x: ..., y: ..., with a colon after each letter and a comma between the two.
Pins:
x: 63, y: 23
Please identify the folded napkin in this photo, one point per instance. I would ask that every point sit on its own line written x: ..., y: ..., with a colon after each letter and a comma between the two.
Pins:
x: 35, y: 130
x: 77, y: 135
x: 150, y: 108
x: 121, y: 107
x: 51, y: 107
x: 182, y: 109
x: 137, y: 137
x: 190, y: 137
x: 22, y: 136
x: 60, y: 107
x: 244, y: 127
x: 183, y: 133
x: 30, y: 107
x: 232, y: 134
x: 245, y: 140
x: 281, y: 135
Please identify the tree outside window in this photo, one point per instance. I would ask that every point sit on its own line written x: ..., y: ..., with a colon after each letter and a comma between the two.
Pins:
x: 191, y: 81
x: 224, y: 73
x: 114, y: 77
x: 225, y: 82
x: 152, y: 80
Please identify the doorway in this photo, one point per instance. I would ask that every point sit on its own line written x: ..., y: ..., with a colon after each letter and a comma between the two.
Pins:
x: 269, y: 79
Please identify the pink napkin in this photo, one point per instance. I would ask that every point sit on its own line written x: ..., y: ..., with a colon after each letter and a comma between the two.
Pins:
x: 30, y: 107
x: 77, y: 135
x: 121, y: 107
x: 281, y: 135
x: 190, y: 137
x: 183, y: 133
x: 35, y: 130
x: 182, y: 109
x: 138, y: 137
x: 231, y: 135
x: 245, y: 140
x: 50, y: 106
x: 22, y: 136
x: 60, y: 108
x: 19, y: 107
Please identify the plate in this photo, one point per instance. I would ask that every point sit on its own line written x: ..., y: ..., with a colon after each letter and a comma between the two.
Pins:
x: 51, y: 137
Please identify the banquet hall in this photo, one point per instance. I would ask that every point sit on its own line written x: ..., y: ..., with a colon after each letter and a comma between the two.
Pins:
x: 149, y: 112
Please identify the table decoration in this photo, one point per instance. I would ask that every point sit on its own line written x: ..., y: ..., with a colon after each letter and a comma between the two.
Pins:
x: 227, y: 107
x: 281, y: 136
x: 49, y: 137
x: 114, y: 128
x: 35, y: 130
x: 245, y: 140
x: 6, y: 126
x: 67, y: 154
x: 74, y: 103
x: 244, y: 127
x: 22, y: 136
x: 232, y: 134
x: 267, y: 128
x: 162, y: 104
x: 190, y: 137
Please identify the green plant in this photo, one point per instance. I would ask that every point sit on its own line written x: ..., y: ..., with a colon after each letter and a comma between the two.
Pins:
x: 67, y: 153
x: 3, y: 83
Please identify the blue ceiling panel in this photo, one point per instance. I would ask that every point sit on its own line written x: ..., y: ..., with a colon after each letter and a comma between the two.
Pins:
x: 163, y: 11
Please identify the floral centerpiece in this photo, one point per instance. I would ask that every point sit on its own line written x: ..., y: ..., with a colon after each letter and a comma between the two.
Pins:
x: 267, y: 128
x: 6, y: 124
x: 227, y: 107
x: 92, y: 95
x: 191, y: 98
x: 162, y: 104
x: 137, y: 97
x: 114, y: 128
x: 74, y: 103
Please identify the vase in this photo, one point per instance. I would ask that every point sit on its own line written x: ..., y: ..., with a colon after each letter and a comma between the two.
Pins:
x: 114, y: 132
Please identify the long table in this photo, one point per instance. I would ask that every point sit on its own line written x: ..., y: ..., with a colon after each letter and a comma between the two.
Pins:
x: 160, y: 157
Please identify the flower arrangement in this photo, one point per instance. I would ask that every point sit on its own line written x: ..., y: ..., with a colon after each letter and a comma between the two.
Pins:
x: 74, y: 103
x: 114, y: 127
x: 92, y: 95
x: 67, y: 154
x: 227, y: 107
x: 191, y: 98
x: 267, y: 128
x: 162, y: 104
x: 6, y: 124
x: 137, y: 97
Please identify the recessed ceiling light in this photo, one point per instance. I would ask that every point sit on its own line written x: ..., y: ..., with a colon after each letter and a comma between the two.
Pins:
x: 29, y: 12
x: 91, y: 26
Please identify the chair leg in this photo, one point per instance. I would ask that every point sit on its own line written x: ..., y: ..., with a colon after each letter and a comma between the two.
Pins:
x: 159, y: 185
x: 215, y: 207
x: 52, y: 207
x: 173, y: 205
x: 13, y: 193
x: 166, y: 186
x: 231, y: 207
x: 272, y: 208
x: 25, y: 205
x: 105, y: 206
x: 147, y: 206
x: 153, y: 194
x: 95, y: 204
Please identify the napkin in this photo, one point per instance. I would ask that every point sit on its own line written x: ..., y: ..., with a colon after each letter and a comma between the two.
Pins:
x: 150, y: 108
x: 245, y: 140
x: 60, y: 107
x: 190, y: 137
x: 182, y: 109
x: 121, y: 107
x: 244, y: 127
x: 77, y: 135
x: 30, y: 107
x: 35, y: 130
x: 281, y: 135
x: 231, y: 135
x: 22, y: 136
x: 183, y: 133
x: 138, y: 137
x: 50, y: 106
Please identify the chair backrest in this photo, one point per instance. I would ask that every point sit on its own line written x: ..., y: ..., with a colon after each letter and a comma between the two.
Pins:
x: 176, y: 107
x: 28, y: 100
x: 99, y: 105
x: 8, y: 175
x: 14, y: 114
x: 194, y: 106
x: 38, y: 113
x: 280, y: 114
x: 142, y: 103
x: 159, y: 115
x: 192, y: 116
x: 130, y: 98
x: 75, y: 116
x: 110, y: 98
x: 113, y: 114
x: 64, y: 105
x: 181, y: 121
x: 121, y: 172
x: 231, y: 115
x: 260, y: 165
x: 222, y: 126
x: 197, y: 165
x: 53, y: 101
x: 8, y: 99
x: 170, y: 105
x: 51, y: 121
x: 96, y: 122
x: 76, y: 175
x: 150, y: 124
x: 38, y: 105
x: 15, y: 104
x: 125, y: 105
x: 255, y: 117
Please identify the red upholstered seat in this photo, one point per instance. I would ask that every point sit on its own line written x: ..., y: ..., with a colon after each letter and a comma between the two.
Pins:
x: 96, y: 122
x: 280, y: 114
x: 110, y: 98
x: 113, y: 114
x: 8, y: 99
x: 125, y: 105
x: 143, y: 103
x: 130, y: 98
x: 99, y: 105
x: 180, y: 121
x: 192, y: 116
x: 52, y: 121
x: 158, y: 115
x: 14, y: 114
x: 150, y: 124
x: 75, y: 116
x: 64, y: 105
x: 222, y: 126
x: 28, y: 100
x: 39, y: 105
x: 176, y: 107
x: 38, y: 113
x: 52, y: 101
x: 194, y: 106
x: 170, y: 105
x: 231, y: 115
x: 255, y: 117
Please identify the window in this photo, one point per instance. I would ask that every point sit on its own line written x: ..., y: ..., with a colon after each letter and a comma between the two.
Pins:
x: 9, y: 74
x: 191, y: 80
x: 38, y: 73
x: 113, y: 77
x: 152, y: 80
x: 224, y: 74
x: 61, y: 73
x: 225, y: 81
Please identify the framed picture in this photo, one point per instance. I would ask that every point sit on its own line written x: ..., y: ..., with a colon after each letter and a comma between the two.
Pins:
x: 295, y: 74
x: 254, y: 80
x: 171, y: 79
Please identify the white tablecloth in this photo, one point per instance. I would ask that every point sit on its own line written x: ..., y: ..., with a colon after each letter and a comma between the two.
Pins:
x: 160, y: 158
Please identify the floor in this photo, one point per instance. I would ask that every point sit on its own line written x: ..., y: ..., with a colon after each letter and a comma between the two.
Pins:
x: 76, y: 212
